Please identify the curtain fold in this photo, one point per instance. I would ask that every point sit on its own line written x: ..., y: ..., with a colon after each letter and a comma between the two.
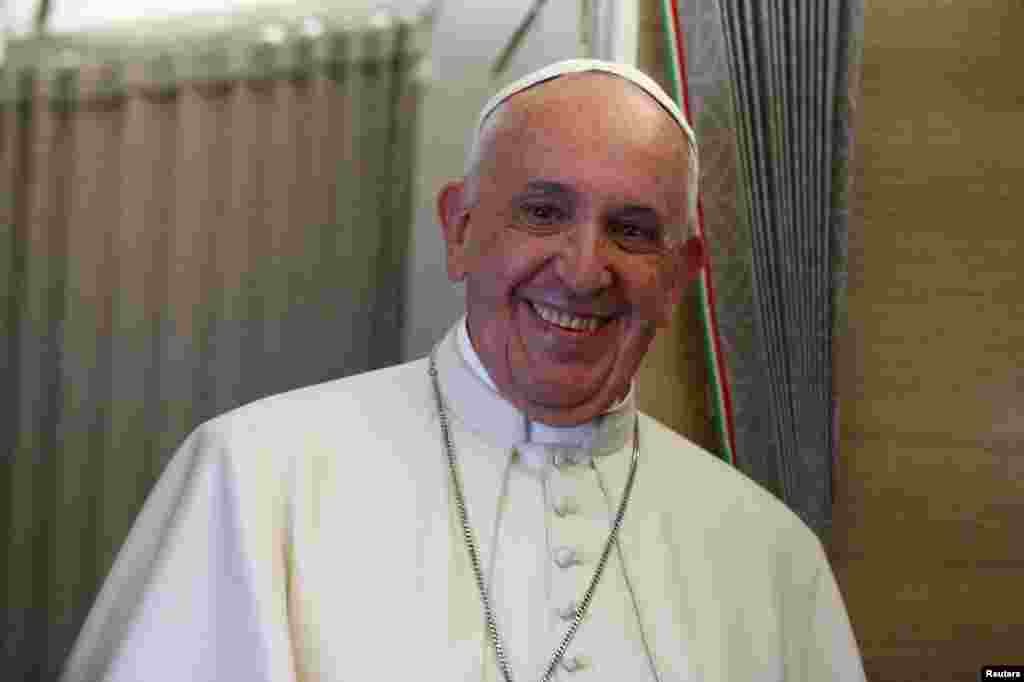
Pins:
x: 772, y: 87
x: 184, y: 229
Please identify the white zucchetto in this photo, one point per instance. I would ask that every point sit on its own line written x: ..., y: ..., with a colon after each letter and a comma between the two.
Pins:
x: 557, y: 69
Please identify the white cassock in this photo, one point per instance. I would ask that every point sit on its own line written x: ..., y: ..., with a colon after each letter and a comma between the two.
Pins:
x: 313, y: 536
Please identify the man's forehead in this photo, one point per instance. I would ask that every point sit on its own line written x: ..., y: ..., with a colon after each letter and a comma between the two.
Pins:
x: 584, y: 99
x: 590, y: 66
x: 554, y: 132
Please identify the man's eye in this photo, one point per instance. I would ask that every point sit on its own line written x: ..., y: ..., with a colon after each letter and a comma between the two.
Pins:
x: 637, y: 232
x: 542, y: 213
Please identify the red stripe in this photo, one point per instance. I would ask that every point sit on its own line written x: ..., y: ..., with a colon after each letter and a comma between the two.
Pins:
x: 712, y: 314
x: 681, y: 52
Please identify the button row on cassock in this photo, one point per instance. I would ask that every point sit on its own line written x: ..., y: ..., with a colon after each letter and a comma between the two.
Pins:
x: 567, y: 557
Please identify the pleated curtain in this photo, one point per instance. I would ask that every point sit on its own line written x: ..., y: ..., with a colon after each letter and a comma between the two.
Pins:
x: 186, y: 225
x: 772, y: 88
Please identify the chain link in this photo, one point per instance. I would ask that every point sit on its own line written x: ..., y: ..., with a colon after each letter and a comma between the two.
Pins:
x: 474, y: 558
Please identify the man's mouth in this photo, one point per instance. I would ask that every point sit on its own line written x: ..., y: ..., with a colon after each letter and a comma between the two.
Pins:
x: 565, y: 320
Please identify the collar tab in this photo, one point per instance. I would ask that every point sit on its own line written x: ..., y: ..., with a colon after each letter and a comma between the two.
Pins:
x: 471, y: 398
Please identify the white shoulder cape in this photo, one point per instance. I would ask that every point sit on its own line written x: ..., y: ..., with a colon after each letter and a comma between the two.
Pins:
x: 311, y: 536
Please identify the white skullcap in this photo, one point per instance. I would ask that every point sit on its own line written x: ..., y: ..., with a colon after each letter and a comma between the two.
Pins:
x: 557, y: 69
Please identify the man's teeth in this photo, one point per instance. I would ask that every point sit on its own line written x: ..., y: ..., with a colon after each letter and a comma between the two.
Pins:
x: 564, y: 319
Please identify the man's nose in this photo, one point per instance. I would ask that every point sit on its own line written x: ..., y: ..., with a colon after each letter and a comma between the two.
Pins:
x: 584, y: 264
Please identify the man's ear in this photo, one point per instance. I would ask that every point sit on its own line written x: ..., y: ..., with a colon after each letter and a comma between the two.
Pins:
x: 695, y: 257
x: 688, y: 261
x: 454, y: 219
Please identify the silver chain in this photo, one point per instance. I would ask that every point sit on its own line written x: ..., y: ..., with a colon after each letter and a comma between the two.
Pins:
x: 474, y: 558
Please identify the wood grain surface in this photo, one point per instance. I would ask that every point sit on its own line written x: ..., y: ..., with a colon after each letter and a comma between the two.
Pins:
x: 930, y: 495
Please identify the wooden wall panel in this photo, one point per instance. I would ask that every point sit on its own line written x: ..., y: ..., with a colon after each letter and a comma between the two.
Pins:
x: 930, y: 492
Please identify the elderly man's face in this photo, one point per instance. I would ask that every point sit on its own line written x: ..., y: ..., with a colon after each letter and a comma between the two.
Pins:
x: 571, y: 250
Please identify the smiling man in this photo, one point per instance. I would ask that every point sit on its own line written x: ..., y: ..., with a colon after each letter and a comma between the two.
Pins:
x: 570, y: 230
x: 498, y: 510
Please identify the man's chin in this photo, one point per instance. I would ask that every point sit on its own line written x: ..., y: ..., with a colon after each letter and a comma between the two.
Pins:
x: 561, y: 396
x: 566, y: 405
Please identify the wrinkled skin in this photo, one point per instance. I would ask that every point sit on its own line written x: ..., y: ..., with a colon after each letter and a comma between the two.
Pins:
x: 580, y: 204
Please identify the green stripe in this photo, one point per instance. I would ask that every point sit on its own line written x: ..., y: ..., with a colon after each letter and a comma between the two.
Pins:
x: 718, y: 407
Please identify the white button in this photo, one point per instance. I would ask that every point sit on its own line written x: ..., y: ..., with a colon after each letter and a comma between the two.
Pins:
x: 561, y: 459
x: 568, y: 612
x: 574, y: 663
x: 566, y: 557
x: 570, y: 456
x: 565, y: 506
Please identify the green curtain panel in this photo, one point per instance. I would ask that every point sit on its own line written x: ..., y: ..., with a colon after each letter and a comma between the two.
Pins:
x: 190, y: 218
x: 772, y: 90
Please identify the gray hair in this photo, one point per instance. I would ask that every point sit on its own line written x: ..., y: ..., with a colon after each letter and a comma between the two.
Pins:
x: 481, y: 137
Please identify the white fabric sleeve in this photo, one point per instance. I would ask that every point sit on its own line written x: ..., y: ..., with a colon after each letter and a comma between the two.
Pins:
x: 832, y: 652
x: 189, y: 596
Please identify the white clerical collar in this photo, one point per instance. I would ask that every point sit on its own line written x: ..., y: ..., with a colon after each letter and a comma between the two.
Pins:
x: 474, y: 398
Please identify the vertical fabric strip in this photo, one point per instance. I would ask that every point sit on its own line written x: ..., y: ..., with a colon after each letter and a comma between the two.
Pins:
x: 716, y: 361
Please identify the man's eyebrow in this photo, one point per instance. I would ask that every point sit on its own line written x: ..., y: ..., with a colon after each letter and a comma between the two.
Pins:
x: 548, y: 187
x: 647, y: 215
x: 560, y: 189
x: 639, y: 210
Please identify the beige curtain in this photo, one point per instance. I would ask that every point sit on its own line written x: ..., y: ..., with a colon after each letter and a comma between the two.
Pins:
x: 183, y: 229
